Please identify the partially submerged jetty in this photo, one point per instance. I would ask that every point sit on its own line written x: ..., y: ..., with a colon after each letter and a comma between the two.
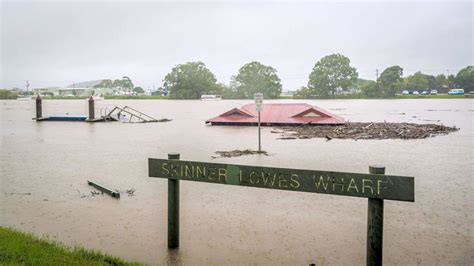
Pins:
x: 277, y: 114
x: 123, y: 114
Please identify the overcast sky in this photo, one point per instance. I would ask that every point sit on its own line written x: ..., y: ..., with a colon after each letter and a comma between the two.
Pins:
x: 57, y: 43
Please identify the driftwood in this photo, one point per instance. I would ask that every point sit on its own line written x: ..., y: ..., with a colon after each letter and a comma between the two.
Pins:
x: 354, y: 130
x: 237, y: 153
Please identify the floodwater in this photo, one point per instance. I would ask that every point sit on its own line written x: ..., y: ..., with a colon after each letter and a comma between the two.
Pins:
x: 230, y: 224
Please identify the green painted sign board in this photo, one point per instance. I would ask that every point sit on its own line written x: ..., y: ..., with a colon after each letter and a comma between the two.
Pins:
x: 388, y: 187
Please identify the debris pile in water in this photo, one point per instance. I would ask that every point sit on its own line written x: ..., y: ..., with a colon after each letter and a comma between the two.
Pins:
x: 164, y: 120
x: 237, y: 153
x: 358, y: 130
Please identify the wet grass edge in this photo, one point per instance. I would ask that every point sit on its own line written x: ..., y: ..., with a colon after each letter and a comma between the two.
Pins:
x: 18, y: 248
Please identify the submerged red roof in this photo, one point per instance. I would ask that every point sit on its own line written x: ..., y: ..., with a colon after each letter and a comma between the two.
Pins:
x: 278, y: 114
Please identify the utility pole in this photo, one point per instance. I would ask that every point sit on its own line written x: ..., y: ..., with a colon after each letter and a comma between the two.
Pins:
x: 377, y: 75
x: 27, y: 87
x: 74, y: 88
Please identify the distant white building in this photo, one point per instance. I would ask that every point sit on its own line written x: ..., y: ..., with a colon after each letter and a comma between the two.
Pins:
x: 49, y: 91
x: 76, y: 92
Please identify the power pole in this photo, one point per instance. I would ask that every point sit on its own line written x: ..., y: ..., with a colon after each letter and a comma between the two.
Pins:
x: 74, y: 88
x: 27, y: 87
x: 377, y: 74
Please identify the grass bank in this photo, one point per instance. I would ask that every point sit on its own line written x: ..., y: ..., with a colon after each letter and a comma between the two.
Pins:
x: 18, y: 248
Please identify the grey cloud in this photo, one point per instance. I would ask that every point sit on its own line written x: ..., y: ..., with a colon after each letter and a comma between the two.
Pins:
x: 53, y: 43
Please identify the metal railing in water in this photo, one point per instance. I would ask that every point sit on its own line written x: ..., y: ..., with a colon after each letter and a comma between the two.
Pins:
x: 141, y: 117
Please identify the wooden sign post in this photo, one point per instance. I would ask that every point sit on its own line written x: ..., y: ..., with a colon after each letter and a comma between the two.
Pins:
x: 376, y: 186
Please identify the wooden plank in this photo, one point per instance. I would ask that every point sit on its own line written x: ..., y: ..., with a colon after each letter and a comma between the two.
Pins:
x: 378, y: 186
x: 111, y: 192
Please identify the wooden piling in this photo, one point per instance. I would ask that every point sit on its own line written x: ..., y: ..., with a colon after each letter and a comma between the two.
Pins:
x: 375, y: 225
x: 39, y: 107
x: 91, y: 109
x: 111, y: 192
x: 173, y: 208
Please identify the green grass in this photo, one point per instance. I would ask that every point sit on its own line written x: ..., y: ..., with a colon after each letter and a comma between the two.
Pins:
x: 18, y: 248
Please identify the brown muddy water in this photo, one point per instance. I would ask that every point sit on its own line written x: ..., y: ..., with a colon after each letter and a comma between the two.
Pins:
x: 230, y: 224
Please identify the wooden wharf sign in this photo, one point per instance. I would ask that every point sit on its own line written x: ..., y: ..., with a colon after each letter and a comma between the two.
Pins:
x: 376, y: 186
x: 338, y: 183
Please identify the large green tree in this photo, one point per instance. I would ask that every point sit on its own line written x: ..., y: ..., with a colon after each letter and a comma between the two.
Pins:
x: 452, y: 82
x: 371, y: 89
x: 390, y: 81
x: 6, y: 94
x: 117, y: 84
x: 330, y: 75
x: 138, y: 90
x: 442, y: 82
x: 465, y: 78
x: 417, y: 81
x: 127, y: 84
x: 190, y: 81
x: 256, y: 77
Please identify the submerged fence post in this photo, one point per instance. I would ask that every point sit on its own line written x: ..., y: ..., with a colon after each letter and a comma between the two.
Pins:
x: 375, y: 225
x: 39, y: 107
x: 173, y: 208
x: 91, y: 108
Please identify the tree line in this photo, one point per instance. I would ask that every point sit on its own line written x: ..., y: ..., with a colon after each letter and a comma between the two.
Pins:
x: 124, y: 85
x: 193, y: 79
x: 331, y: 76
x: 8, y: 95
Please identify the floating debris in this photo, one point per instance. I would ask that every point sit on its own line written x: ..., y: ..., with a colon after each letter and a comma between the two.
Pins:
x: 355, y: 130
x: 95, y: 193
x: 130, y: 191
x: 288, y: 138
x: 17, y: 193
x: 238, y: 153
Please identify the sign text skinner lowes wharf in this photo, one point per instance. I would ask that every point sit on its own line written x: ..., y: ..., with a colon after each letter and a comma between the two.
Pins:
x: 376, y: 186
x: 348, y: 184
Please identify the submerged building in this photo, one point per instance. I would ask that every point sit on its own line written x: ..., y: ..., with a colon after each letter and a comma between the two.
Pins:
x: 277, y: 114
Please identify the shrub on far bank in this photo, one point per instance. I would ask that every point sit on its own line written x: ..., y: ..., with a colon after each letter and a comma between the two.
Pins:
x: 7, y: 95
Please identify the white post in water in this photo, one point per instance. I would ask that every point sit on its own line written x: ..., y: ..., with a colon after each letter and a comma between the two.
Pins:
x: 259, y: 107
